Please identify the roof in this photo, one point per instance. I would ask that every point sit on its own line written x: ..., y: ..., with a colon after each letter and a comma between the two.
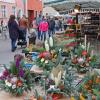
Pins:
x: 50, y: 11
x: 70, y: 5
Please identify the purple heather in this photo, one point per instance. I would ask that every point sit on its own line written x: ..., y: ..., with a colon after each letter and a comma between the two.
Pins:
x: 21, y: 72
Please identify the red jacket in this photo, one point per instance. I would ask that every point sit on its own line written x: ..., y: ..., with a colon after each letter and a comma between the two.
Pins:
x: 43, y: 26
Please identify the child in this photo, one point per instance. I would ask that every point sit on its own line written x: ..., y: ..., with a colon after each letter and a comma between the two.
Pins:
x: 32, y: 36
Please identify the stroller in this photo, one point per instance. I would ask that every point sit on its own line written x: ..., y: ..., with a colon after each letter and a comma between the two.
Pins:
x: 21, y: 39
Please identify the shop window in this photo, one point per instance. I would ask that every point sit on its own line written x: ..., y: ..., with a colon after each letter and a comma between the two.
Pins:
x: 3, y: 11
x: 14, y: 10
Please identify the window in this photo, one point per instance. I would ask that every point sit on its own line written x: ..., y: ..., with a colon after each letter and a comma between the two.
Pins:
x: 14, y: 10
x: 3, y: 11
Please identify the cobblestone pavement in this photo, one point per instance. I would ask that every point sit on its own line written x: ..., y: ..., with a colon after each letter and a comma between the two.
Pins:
x: 5, y: 50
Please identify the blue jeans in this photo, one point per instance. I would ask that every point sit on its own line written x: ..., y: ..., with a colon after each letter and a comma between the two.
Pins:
x: 51, y: 32
x: 39, y: 33
x: 43, y: 35
x: 13, y: 44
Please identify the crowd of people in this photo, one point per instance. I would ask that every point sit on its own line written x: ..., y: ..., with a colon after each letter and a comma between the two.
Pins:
x: 40, y: 28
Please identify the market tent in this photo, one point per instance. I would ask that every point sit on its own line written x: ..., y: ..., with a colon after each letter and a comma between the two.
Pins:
x: 50, y: 11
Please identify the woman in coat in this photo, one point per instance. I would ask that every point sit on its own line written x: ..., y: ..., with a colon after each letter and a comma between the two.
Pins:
x: 13, y: 32
x: 43, y: 27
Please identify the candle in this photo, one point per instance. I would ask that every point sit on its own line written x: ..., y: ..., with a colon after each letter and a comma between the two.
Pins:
x: 92, y: 53
x: 88, y: 46
x: 85, y: 41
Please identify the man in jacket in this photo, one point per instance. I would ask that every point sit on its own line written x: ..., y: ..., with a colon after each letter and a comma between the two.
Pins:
x: 51, y: 23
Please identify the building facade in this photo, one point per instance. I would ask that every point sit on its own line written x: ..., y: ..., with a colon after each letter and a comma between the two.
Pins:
x: 30, y: 8
x: 35, y: 8
x: 9, y: 7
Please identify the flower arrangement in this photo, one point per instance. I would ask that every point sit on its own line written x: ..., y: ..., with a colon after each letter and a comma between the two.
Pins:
x: 83, y: 59
x: 17, y: 79
x: 44, y: 61
x: 90, y: 86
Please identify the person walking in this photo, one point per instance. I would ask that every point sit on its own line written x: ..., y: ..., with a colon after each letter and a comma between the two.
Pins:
x: 51, y: 23
x: 23, y: 24
x: 43, y: 27
x: 38, y: 21
x: 13, y: 32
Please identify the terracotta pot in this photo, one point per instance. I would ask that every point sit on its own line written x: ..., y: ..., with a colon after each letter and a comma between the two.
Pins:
x: 57, y: 96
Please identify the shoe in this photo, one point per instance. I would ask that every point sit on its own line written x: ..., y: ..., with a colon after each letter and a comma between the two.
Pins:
x: 13, y: 50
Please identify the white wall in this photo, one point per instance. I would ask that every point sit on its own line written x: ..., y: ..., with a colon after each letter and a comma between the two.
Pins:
x: 9, y: 1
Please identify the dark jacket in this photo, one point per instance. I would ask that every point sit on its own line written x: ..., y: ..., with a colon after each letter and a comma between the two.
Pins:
x: 13, y: 29
x: 51, y: 24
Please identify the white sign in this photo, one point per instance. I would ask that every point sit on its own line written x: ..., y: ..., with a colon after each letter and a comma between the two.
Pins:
x: 8, y: 1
